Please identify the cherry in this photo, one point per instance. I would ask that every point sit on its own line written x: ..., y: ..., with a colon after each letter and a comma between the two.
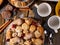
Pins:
x: 8, y: 40
x: 34, y: 23
x: 14, y: 25
x: 22, y: 35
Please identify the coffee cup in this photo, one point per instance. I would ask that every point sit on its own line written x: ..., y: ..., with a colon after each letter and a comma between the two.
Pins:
x: 43, y: 9
x: 54, y: 23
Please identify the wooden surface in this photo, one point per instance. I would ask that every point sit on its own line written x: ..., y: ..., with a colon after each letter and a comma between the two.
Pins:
x: 1, y: 35
x: 56, y: 39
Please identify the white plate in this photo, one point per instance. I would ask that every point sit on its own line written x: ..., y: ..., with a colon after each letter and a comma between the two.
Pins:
x: 9, y: 26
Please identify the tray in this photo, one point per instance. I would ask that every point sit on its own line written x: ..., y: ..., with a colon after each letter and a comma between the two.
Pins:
x: 7, y: 43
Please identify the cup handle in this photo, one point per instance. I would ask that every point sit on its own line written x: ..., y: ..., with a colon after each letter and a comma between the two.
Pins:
x: 56, y: 31
x: 36, y: 5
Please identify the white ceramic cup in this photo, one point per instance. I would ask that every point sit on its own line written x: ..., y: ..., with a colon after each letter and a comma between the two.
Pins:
x: 54, y: 23
x: 43, y: 9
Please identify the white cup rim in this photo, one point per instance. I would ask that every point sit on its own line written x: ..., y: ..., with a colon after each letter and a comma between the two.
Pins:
x: 51, y: 26
x: 50, y: 9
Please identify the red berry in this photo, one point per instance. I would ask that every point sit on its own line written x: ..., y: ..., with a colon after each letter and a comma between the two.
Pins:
x: 14, y: 26
x: 23, y: 35
x: 34, y: 23
x: 8, y: 40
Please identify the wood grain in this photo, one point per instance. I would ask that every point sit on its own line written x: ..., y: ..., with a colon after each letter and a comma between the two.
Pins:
x: 5, y: 25
x: 1, y: 35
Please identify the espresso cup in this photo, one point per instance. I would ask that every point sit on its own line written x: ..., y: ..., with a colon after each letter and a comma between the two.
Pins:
x: 54, y: 23
x: 43, y: 9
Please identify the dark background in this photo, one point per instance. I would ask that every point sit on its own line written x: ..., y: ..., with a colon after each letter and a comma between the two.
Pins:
x: 56, y: 39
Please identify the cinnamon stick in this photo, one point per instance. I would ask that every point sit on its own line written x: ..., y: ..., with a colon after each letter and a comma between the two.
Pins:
x: 5, y: 25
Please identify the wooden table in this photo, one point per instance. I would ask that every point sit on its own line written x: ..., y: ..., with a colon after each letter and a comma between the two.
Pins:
x: 56, y: 39
x: 1, y: 35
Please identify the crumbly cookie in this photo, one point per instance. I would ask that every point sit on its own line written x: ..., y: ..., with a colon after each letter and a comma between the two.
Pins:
x: 25, y: 26
x: 32, y: 28
x: 37, y: 34
x: 38, y: 42
x: 18, y: 29
x: 8, y: 34
x: 18, y: 21
x: 40, y: 29
x: 28, y: 21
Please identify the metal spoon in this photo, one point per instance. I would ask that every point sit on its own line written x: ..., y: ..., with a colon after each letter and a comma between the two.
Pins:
x: 51, y: 39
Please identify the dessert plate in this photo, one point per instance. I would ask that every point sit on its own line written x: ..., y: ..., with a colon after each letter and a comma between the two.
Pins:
x: 35, y: 32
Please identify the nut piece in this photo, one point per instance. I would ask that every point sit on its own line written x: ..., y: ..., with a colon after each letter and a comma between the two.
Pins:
x: 25, y: 26
x: 19, y: 34
x: 37, y: 34
x: 32, y: 28
x: 14, y: 34
x: 18, y: 29
x: 18, y: 21
x: 8, y: 34
x: 28, y: 21
x: 14, y: 40
x: 38, y: 42
x: 33, y: 39
x: 28, y: 36
x: 25, y: 31
x: 41, y: 30
x: 27, y: 43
